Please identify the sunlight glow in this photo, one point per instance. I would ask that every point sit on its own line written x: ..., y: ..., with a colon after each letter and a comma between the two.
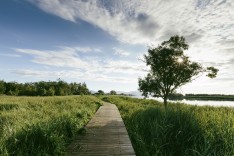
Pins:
x: 180, y: 60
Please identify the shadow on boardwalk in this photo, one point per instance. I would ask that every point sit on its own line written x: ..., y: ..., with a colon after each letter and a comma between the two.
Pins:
x: 105, y: 135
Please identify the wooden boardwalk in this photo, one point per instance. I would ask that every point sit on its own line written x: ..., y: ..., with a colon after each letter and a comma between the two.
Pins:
x: 105, y: 135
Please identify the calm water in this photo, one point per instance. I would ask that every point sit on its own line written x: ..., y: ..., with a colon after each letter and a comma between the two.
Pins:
x: 203, y: 103
x: 208, y: 103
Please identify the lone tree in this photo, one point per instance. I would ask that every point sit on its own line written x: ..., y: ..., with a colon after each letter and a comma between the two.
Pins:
x: 112, y: 92
x: 100, y: 92
x: 170, y: 68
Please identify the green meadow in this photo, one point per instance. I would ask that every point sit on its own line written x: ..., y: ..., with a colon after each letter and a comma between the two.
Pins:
x: 42, y: 125
x: 180, y: 130
x: 46, y: 125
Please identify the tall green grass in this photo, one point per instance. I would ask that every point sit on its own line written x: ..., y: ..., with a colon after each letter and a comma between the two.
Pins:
x: 42, y: 125
x: 180, y: 130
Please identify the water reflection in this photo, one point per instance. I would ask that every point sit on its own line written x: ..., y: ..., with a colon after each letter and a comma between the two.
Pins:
x: 202, y: 103
x: 208, y: 103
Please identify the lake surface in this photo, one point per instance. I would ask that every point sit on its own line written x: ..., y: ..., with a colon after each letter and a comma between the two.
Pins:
x: 201, y: 103
x: 208, y: 103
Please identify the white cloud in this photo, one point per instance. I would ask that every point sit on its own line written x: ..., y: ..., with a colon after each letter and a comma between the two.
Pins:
x: 205, y: 24
x: 71, y: 74
x: 124, y: 67
x: 120, y: 52
x: 96, y: 69
x: 63, y: 58
x: 125, y: 20
x: 87, y: 49
x: 68, y: 57
x: 136, y: 21
x: 81, y: 49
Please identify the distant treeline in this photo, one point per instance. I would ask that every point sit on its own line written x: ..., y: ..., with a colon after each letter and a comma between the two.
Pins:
x: 42, y: 88
x: 214, y: 97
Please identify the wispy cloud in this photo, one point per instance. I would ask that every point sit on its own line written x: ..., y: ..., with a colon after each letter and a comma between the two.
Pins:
x: 71, y: 74
x: 136, y: 21
x: 68, y: 57
x: 87, y: 49
x: 81, y: 49
x: 120, y: 52
x: 63, y: 58
x: 207, y: 25
x: 96, y: 69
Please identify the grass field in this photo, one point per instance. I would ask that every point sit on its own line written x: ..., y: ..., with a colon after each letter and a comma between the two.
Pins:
x: 42, y: 125
x: 45, y: 125
x: 180, y: 130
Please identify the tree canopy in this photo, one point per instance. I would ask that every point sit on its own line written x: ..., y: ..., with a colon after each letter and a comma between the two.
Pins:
x: 170, y: 68
x: 100, y: 92
x: 113, y: 92
x: 42, y: 88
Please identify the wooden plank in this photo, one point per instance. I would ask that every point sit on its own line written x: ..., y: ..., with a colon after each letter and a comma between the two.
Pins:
x: 105, y: 135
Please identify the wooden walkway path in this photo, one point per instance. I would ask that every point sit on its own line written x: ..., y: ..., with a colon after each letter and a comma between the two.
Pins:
x: 105, y: 135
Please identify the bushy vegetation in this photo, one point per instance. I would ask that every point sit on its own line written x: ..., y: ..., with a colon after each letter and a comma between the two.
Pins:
x: 178, y: 130
x: 42, y: 88
x: 42, y: 125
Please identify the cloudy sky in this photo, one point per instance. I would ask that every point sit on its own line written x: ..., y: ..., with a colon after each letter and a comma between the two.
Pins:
x: 100, y: 42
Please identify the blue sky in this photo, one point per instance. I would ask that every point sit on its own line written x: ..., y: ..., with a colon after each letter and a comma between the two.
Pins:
x: 100, y: 42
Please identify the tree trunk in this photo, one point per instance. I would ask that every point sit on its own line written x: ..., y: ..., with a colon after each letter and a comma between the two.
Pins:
x: 165, y: 99
x: 165, y: 102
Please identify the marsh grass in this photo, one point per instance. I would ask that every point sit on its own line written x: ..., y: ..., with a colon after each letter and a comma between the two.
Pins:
x: 179, y: 130
x: 42, y: 125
